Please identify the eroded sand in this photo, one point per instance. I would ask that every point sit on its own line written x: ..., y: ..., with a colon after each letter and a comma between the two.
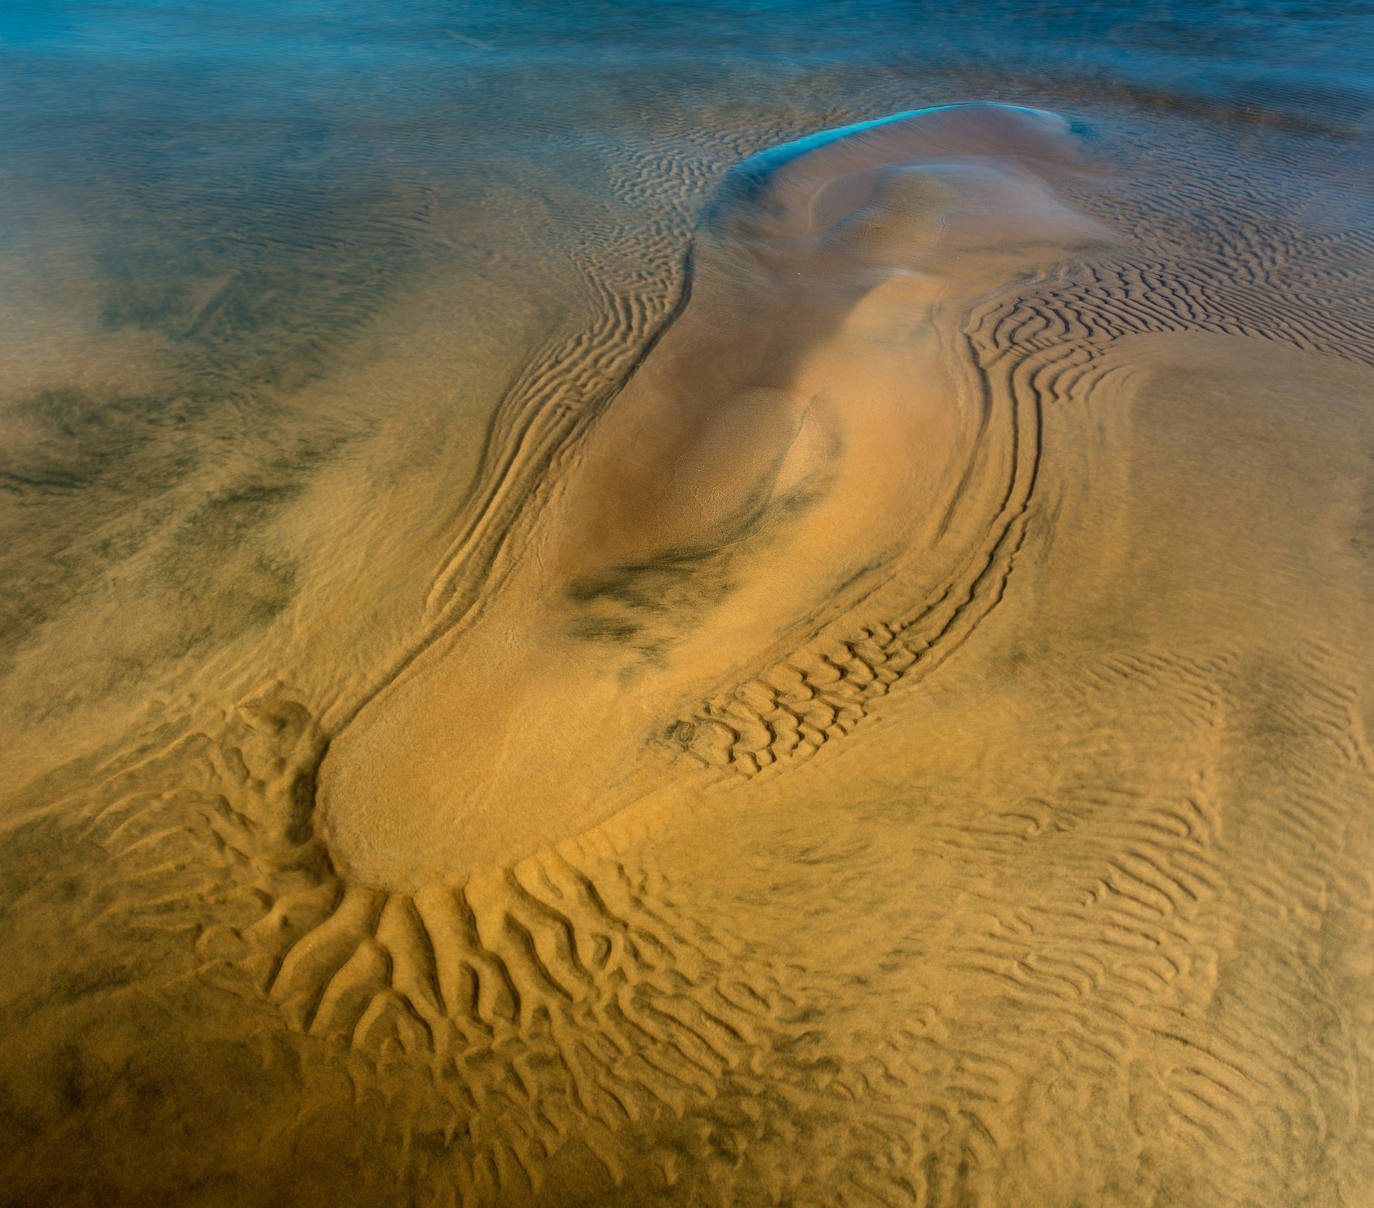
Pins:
x: 939, y: 777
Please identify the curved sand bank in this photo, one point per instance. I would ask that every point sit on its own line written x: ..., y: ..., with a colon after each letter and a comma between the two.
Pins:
x: 809, y: 414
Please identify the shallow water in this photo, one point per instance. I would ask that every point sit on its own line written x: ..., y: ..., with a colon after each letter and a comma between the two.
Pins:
x: 538, y: 671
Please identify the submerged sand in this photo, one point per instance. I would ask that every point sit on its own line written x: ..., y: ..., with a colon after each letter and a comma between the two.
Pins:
x: 901, y: 738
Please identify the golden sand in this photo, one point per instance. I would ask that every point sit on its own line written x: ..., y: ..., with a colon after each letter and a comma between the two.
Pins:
x: 891, y: 728
x: 804, y: 423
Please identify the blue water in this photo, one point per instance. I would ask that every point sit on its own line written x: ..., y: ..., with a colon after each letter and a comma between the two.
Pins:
x: 157, y: 133
x: 123, y: 84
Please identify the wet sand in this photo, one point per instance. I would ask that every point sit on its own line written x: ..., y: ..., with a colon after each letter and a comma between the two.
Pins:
x: 852, y: 687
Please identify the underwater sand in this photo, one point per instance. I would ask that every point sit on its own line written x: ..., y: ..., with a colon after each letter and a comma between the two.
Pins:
x: 636, y: 651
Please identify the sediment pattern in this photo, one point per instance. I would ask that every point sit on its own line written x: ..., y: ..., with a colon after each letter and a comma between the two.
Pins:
x: 1039, y: 350
x: 1098, y: 948
x: 563, y: 386
x: 1142, y: 941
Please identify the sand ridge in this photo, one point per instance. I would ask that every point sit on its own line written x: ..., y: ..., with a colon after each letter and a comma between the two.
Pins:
x: 807, y: 410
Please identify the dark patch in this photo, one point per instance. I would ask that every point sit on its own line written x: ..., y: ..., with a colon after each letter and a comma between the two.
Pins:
x: 655, y: 584
x: 93, y: 478
x: 20, y: 1125
x: 262, y: 282
x: 932, y: 1169
x: 220, y: 564
x: 85, y: 481
x: 681, y: 733
x: 79, y: 438
x: 70, y: 1077
x: 1362, y: 534
x: 649, y: 606
x: 92, y: 982
x: 302, y: 795
x: 28, y: 854
x: 229, y: 515
x: 52, y: 898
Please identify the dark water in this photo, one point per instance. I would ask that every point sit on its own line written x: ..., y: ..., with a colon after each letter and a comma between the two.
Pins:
x: 305, y: 310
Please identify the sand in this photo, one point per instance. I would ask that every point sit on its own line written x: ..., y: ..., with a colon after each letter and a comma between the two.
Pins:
x: 881, y: 716
x: 803, y: 422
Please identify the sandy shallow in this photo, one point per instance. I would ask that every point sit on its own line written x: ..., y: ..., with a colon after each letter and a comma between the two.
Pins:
x: 901, y: 740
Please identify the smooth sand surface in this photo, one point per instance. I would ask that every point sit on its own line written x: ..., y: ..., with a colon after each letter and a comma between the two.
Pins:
x: 880, y: 716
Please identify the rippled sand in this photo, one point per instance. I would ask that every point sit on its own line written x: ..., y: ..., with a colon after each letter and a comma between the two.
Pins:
x: 872, y: 706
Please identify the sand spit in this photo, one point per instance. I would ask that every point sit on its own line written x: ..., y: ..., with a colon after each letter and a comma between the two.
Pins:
x: 934, y: 724
x: 808, y: 416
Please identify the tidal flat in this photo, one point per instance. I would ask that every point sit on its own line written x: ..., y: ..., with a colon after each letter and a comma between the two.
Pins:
x: 707, y: 605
